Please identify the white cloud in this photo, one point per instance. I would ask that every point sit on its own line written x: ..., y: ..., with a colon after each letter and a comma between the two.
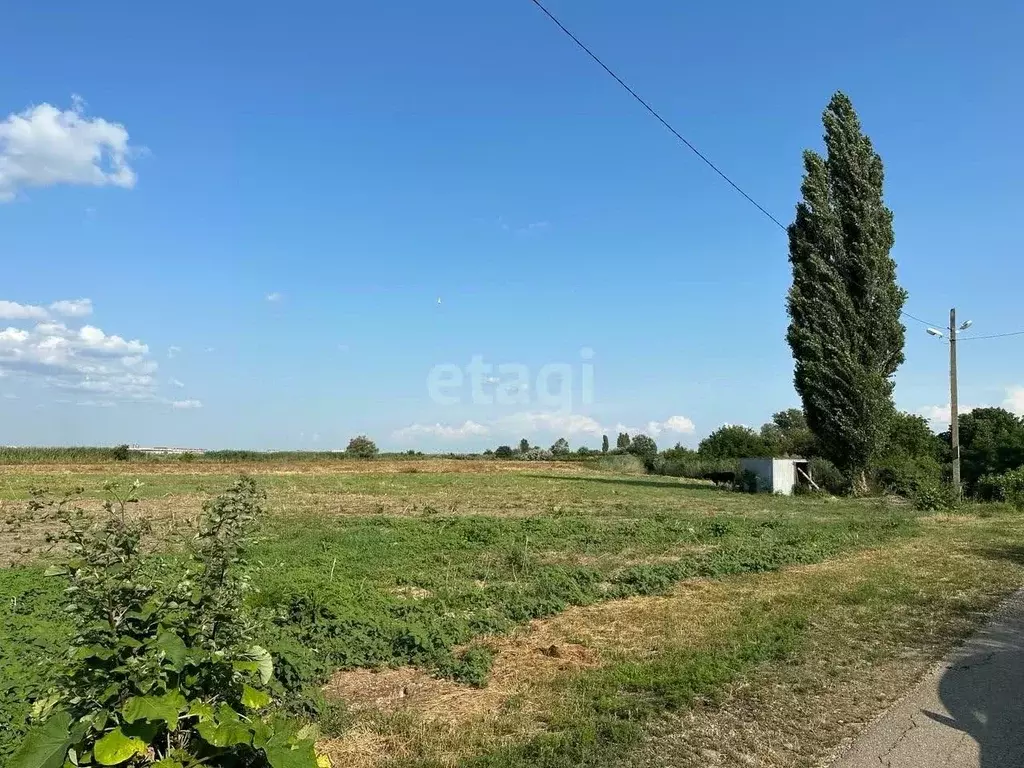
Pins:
x: 468, y: 429
x: 550, y: 421
x: 73, y: 307
x: 176, y: 383
x: 274, y: 297
x: 941, y: 414
x: 10, y: 396
x: 560, y: 423
x: 172, y: 352
x: 83, y: 359
x: 209, y: 349
x: 96, y: 403
x: 44, y: 146
x: 678, y: 424
x: 10, y: 310
x: 186, y: 404
x: 1014, y: 401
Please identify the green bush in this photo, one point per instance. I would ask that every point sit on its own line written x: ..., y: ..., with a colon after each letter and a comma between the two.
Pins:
x: 733, y: 442
x: 691, y: 466
x: 534, y: 454
x: 503, y: 452
x: 120, y: 453
x: 827, y: 476
x: 933, y: 497
x: 643, y: 447
x: 991, y: 443
x: 621, y: 463
x: 1007, y: 487
x: 361, y: 447
x: 159, y: 670
x: 904, y: 476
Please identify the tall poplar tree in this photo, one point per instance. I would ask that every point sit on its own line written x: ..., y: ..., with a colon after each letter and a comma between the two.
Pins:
x: 845, y: 303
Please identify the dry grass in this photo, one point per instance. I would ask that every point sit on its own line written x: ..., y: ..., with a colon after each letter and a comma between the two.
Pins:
x: 862, y: 652
x: 341, y: 467
x: 860, y: 657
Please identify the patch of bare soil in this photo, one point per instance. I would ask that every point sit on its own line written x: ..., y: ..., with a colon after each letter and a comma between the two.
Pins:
x: 442, y: 718
x: 171, y: 520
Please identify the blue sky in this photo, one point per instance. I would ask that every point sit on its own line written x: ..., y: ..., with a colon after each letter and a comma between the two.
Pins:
x: 286, y: 191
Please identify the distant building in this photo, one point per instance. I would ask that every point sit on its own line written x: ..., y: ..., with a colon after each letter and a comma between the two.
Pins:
x: 162, y: 450
x: 778, y: 475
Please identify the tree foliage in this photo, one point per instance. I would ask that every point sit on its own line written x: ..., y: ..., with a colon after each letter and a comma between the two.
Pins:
x: 991, y: 443
x: 604, y: 443
x: 503, y: 452
x: 787, y: 434
x: 622, y: 441
x: 361, y: 447
x: 844, y: 303
x: 643, y: 446
x: 732, y: 442
x: 524, y: 445
x: 560, y: 447
x: 910, y: 435
x: 1008, y: 487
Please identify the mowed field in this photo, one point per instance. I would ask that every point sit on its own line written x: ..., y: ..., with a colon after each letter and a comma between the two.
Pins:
x: 442, y: 612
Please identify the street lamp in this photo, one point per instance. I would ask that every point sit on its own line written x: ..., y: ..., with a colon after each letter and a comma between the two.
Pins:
x: 954, y: 408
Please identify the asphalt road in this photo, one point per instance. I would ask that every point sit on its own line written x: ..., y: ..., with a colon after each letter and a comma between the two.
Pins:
x: 968, y: 712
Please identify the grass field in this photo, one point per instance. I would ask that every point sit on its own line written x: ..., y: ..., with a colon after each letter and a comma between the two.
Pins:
x: 503, y: 613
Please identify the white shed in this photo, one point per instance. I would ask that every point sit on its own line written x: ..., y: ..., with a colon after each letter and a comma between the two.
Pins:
x: 777, y: 475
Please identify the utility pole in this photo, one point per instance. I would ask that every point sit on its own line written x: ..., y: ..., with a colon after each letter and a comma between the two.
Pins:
x: 954, y: 409
x: 954, y: 406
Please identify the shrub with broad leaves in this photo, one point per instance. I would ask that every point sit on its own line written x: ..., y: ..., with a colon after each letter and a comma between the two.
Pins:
x: 160, y: 671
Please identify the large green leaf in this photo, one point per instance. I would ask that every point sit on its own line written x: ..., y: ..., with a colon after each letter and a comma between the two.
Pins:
x: 45, y: 746
x: 225, y: 734
x: 281, y: 754
x: 154, y: 708
x: 116, y: 747
x: 264, y: 663
x: 201, y: 710
x: 254, y: 699
x: 174, y: 649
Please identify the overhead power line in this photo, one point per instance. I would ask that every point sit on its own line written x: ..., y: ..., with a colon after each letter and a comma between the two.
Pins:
x: 990, y: 336
x: 657, y: 116
x: 918, y: 319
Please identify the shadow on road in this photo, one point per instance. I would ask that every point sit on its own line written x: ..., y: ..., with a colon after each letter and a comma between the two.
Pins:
x: 983, y: 692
